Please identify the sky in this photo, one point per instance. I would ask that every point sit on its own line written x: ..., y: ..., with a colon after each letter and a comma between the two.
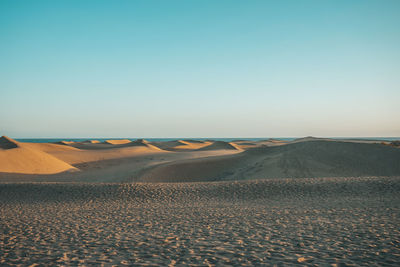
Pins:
x: 227, y: 68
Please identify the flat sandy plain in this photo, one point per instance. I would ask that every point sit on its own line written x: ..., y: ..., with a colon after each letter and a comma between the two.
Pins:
x: 74, y: 218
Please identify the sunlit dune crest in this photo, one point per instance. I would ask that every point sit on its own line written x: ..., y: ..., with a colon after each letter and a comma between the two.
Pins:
x: 117, y: 141
x: 17, y: 157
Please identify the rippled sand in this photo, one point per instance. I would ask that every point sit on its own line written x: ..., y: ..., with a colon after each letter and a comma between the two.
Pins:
x: 329, y: 221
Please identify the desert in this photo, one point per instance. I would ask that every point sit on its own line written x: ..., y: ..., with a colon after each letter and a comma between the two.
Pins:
x: 308, y: 201
x: 199, y: 133
x: 195, y: 160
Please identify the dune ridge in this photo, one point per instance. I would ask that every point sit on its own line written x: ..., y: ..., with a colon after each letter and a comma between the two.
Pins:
x: 67, y: 143
x: 181, y: 145
x: 16, y: 157
x: 91, y: 142
x: 117, y: 141
x: 7, y: 143
x: 318, y: 158
x: 191, y: 160
x: 220, y: 145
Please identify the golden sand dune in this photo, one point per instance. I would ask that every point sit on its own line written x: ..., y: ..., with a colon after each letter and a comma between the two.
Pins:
x: 100, y: 154
x: 20, y: 158
x: 113, y: 165
x: 117, y: 141
x: 50, y: 147
x: 188, y: 160
x: 105, y: 162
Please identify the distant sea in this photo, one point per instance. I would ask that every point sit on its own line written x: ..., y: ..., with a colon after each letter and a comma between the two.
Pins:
x: 53, y: 140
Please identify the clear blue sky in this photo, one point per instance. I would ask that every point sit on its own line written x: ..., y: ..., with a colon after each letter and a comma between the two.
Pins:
x: 199, y: 68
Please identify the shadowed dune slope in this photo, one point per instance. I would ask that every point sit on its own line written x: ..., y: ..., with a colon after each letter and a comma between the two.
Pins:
x: 91, y: 142
x: 194, y: 141
x: 220, y: 145
x: 181, y: 145
x: 143, y: 143
x: 67, y: 143
x: 17, y: 157
x: 113, y: 144
x: 305, y: 159
x: 169, y: 144
x: 7, y: 143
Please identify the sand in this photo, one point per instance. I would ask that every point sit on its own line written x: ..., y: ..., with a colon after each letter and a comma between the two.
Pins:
x: 92, y: 141
x: 325, y: 221
x: 319, y: 202
x: 221, y: 145
x: 17, y: 157
x: 317, y: 158
x: 182, y: 145
x: 118, y: 141
x: 193, y: 160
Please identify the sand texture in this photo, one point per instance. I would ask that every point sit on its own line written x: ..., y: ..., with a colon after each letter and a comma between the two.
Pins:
x: 325, y: 221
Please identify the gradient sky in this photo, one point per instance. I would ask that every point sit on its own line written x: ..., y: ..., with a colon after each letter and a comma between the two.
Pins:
x: 199, y: 68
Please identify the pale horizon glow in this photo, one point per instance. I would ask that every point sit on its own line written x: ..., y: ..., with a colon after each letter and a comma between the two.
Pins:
x: 205, y: 69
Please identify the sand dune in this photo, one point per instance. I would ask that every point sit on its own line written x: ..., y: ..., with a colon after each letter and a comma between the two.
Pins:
x: 193, y: 170
x: 188, y: 160
x: 143, y: 143
x: 181, y: 145
x: 91, y: 142
x: 65, y: 143
x: 117, y: 141
x: 101, y: 154
x: 112, y: 144
x: 104, y: 162
x: 93, y: 146
x: 7, y: 143
x: 245, y: 144
x: 300, y: 159
x: 169, y: 144
x: 220, y: 145
x: 50, y: 147
x: 314, y: 221
x: 309, y: 138
x: 194, y: 141
x: 16, y: 157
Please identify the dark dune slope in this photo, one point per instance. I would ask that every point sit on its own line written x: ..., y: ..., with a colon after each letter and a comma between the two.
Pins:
x: 7, y: 143
x: 304, y: 159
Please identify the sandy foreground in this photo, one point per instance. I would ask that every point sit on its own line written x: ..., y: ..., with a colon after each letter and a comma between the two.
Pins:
x: 314, y: 221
